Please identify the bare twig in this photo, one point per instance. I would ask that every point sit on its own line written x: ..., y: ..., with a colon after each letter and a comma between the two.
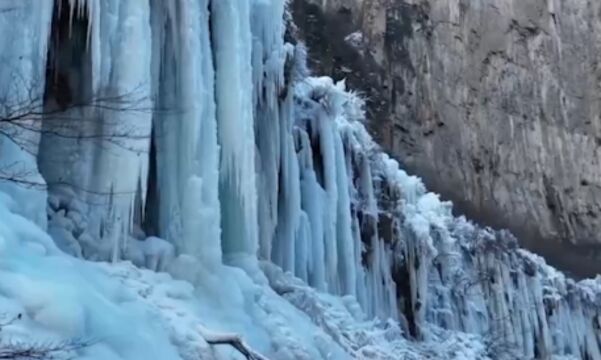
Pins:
x: 38, y: 350
x: 233, y: 340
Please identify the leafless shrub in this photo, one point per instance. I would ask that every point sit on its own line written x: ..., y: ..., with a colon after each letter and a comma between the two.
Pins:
x: 38, y: 349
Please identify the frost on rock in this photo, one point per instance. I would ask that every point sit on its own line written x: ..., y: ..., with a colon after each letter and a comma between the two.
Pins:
x: 365, y: 338
x: 420, y: 265
x: 338, y: 201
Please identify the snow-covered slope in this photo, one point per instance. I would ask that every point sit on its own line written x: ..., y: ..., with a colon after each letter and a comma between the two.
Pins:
x: 184, y: 142
x: 119, y: 311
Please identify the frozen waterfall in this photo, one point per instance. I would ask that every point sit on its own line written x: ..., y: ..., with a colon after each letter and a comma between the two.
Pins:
x: 185, y: 135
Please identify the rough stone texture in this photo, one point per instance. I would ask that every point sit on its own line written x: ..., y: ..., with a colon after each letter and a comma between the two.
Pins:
x: 495, y: 103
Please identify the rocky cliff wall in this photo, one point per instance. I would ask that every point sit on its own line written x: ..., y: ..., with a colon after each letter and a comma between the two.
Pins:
x: 495, y: 103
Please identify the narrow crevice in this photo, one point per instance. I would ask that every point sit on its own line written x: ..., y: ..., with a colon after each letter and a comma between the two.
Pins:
x: 150, y: 221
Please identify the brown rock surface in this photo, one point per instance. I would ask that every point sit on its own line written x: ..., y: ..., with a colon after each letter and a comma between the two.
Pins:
x: 496, y: 104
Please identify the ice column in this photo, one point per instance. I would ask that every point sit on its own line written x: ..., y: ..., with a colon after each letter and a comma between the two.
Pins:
x: 186, y: 129
x: 232, y: 49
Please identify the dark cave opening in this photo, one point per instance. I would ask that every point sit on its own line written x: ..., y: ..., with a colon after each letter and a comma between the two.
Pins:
x: 69, y: 61
x: 67, y: 86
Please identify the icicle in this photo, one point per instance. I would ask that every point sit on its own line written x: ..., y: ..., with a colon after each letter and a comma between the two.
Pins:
x: 60, y: 6
x: 72, y: 5
x: 92, y: 11
x: 345, y: 243
x: 80, y: 7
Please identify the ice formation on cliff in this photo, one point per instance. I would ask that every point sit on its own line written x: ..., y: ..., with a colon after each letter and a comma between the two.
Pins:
x: 192, y: 141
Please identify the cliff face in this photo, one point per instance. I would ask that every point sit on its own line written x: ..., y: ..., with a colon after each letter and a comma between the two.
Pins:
x: 495, y: 103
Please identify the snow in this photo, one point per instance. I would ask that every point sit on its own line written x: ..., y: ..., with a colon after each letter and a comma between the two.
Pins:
x: 355, y: 39
x: 345, y: 322
x: 170, y: 318
x: 62, y: 298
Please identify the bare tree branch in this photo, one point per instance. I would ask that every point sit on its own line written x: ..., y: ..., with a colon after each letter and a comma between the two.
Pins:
x: 20, y: 350
x: 110, y: 119
x: 233, y: 340
x: 38, y: 350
